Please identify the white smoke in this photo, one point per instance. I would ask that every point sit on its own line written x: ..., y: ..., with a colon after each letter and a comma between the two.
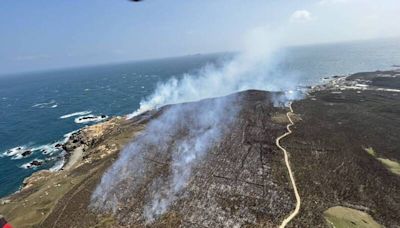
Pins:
x: 182, y: 134
x: 203, y: 129
x: 256, y: 67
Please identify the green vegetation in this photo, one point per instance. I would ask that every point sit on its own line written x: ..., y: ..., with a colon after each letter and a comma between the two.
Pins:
x: 344, y: 217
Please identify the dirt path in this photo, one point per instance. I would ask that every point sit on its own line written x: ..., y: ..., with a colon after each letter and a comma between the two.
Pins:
x: 76, y: 156
x: 296, y: 210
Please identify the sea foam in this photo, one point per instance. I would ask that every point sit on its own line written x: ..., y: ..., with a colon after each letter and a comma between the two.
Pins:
x: 50, y: 104
x: 14, y: 151
x: 90, y: 118
x: 75, y: 114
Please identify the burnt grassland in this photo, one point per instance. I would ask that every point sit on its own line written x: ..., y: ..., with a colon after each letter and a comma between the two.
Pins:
x: 242, y: 180
x: 329, y: 157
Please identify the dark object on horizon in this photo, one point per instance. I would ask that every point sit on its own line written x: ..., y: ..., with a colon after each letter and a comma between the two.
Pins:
x: 135, y: 0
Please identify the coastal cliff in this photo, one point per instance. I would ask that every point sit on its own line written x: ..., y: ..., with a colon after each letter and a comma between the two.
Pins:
x: 344, y: 153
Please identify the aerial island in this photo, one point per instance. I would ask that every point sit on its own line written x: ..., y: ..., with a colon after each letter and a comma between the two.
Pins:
x: 341, y: 142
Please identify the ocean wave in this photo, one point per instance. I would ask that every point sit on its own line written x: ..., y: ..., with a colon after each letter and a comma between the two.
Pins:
x: 25, y: 154
x: 50, y: 104
x: 90, y: 118
x: 68, y: 135
x: 20, y: 152
x: 50, y: 149
x: 32, y: 164
x: 58, y: 165
x: 75, y: 114
x: 14, y: 151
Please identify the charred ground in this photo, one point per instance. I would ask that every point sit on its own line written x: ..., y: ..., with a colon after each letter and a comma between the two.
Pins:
x: 328, y: 153
x: 242, y: 180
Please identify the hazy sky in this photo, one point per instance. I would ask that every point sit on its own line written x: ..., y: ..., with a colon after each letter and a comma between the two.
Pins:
x: 43, y: 34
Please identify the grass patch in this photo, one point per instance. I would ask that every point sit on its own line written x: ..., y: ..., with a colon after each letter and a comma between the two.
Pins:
x: 280, y: 118
x: 344, y: 217
x: 370, y: 151
x: 391, y: 165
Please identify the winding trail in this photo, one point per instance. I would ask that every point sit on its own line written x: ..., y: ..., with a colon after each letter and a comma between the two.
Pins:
x: 298, y: 203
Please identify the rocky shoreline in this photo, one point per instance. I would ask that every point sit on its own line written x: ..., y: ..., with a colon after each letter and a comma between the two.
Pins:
x: 82, y: 139
x: 328, y: 166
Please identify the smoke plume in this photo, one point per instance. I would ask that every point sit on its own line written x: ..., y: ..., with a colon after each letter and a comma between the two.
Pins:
x: 180, y: 136
x: 256, y: 67
x: 183, y: 134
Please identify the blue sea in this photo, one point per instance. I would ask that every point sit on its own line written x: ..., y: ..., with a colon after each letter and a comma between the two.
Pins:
x: 38, y: 110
